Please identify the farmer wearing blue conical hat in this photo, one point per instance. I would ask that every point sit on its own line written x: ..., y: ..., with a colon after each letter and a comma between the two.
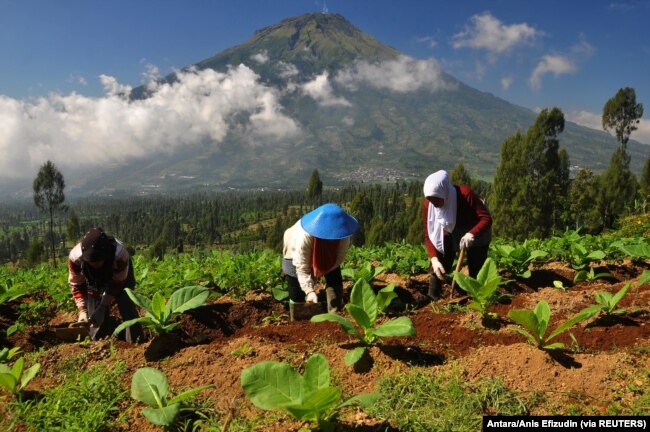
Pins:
x: 315, y: 246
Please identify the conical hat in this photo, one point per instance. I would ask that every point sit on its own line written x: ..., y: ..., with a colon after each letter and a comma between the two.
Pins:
x: 329, y: 222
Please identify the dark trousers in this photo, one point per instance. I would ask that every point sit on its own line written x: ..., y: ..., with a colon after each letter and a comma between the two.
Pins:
x: 128, y: 311
x: 333, y: 281
x: 476, y: 257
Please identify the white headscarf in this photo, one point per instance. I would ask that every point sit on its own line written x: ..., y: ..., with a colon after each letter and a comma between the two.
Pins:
x: 443, y: 219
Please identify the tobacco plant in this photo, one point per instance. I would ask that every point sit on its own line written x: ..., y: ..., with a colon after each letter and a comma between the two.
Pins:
x: 364, y: 307
x: 7, y: 354
x: 606, y: 302
x: 272, y: 385
x: 483, y: 289
x: 580, y: 257
x: 15, y: 378
x: 536, y: 324
x: 590, y: 276
x: 161, y: 312
x: 150, y: 386
x: 517, y: 259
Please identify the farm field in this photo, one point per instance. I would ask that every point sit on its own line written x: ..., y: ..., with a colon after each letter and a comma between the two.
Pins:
x: 458, y: 366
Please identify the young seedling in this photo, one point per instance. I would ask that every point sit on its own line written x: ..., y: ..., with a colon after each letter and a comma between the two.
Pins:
x: 365, y: 307
x: 272, y: 385
x: 589, y: 276
x: 517, y: 259
x: 606, y: 302
x: 537, y: 320
x: 7, y: 354
x: 560, y: 285
x: 14, y: 378
x: 483, y: 289
x: 243, y: 350
x: 160, y: 313
x: 150, y: 386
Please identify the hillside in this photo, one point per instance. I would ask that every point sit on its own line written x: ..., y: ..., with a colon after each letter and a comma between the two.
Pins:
x: 362, y: 112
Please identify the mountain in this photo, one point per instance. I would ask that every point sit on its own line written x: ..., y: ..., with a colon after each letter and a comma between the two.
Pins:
x: 358, y: 118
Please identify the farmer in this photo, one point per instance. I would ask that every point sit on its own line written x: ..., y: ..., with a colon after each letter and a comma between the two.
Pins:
x: 316, y: 246
x: 454, y: 218
x: 99, y: 268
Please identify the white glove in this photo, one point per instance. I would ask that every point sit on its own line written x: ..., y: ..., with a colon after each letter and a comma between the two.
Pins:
x: 438, y: 268
x: 466, y: 241
x: 312, y: 297
x: 83, y: 316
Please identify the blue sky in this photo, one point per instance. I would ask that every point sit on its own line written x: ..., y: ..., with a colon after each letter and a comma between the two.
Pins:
x: 571, y: 54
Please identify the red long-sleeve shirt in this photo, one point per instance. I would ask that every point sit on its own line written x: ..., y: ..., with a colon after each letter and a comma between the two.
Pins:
x: 471, y: 216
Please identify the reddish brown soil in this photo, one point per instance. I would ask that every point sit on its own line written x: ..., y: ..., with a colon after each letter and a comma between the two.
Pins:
x: 609, y: 352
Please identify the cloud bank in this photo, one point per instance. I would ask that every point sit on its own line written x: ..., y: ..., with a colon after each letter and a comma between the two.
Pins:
x: 553, y: 64
x: 594, y: 121
x: 82, y: 133
x: 488, y: 33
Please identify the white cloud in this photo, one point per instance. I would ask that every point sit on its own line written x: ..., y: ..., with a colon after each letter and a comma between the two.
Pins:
x: 506, y: 82
x: 427, y: 40
x: 594, y: 121
x: 261, y: 57
x: 286, y: 70
x: 489, y: 33
x: 403, y: 74
x: 321, y: 90
x: 555, y: 64
x: 583, y: 48
x: 75, y: 131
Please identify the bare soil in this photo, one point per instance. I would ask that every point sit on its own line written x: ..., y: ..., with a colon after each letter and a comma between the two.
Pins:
x: 214, y: 343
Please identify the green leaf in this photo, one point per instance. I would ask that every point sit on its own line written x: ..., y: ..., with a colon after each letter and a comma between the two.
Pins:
x: 150, y: 386
x: 645, y: 278
x: 363, y: 400
x: 158, y: 309
x: 556, y: 345
x: 144, y: 320
x: 17, y: 368
x: 359, y: 315
x: 354, y: 355
x: 531, y: 339
x: 187, y: 298
x: 620, y: 294
x: 317, y: 373
x: 347, y: 326
x: 385, y: 296
x: 280, y: 293
x: 580, y: 316
x: 164, y: 416
x: 528, y: 320
x: 188, y: 394
x: 363, y: 296
x: 543, y: 313
x: 271, y: 385
x: 29, y: 374
x: 401, y: 326
x: 138, y: 299
x: 8, y: 381
x: 315, y: 404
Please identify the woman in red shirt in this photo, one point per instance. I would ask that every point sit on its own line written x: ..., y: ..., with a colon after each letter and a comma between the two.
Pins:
x: 454, y: 218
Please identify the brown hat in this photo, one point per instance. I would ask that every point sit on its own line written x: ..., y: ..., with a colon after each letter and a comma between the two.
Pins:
x: 94, y: 245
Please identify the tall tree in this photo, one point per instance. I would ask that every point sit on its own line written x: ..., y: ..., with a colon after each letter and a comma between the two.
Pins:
x: 644, y: 183
x: 48, y: 195
x: 530, y: 179
x: 618, y: 184
x: 315, y: 186
x: 583, y: 194
x: 460, y: 175
x: 73, y: 229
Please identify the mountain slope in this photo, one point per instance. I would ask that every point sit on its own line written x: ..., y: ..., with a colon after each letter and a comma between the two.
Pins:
x: 364, y: 112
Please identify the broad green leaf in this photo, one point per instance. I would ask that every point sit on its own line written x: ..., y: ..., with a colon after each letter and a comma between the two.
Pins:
x: 359, y: 315
x: 385, y: 296
x: 580, y: 316
x: 362, y: 400
x: 158, y: 309
x: 315, y: 404
x: 317, y: 373
x: 543, y: 313
x: 29, y: 374
x: 164, y: 416
x: 556, y: 345
x: 645, y: 278
x: 280, y: 293
x: 17, y: 368
x: 488, y: 272
x: 604, y: 299
x: 596, y: 255
x: 271, y: 385
x: 401, y: 326
x: 347, y: 326
x: 146, y: 321
x: 620, y: 294
x: 363, y: 296
x: 527, y: 274
x: 470, y: 285
x: 138, y: 299
x: 8, y: 381
x: 188, y: 394
x: 187, y: 298
x: 528, y: 320
x: 531, y: 339
x: 354, y: 355
x: 150, y: 386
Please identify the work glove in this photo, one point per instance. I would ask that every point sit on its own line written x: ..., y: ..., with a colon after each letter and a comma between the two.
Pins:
x: 438, y: 268
x: 466, y: 241
x: 97, y: 318
x: 83, y: 316
x: 312, y: 297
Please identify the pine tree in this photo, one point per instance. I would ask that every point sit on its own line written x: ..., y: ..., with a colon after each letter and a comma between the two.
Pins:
x: 460, y: 175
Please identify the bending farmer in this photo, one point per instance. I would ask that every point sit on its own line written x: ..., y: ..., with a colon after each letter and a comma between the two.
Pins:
x: 454, y: 218
x: 99, y: 268
x: 316, y: 246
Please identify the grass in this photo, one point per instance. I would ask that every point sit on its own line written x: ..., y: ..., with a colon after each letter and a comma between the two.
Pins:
x: 420, y: 401
x: 89, y: 401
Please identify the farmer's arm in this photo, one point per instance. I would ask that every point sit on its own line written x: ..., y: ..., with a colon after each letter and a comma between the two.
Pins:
x: 76, y: 279
x: 476, y: 204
